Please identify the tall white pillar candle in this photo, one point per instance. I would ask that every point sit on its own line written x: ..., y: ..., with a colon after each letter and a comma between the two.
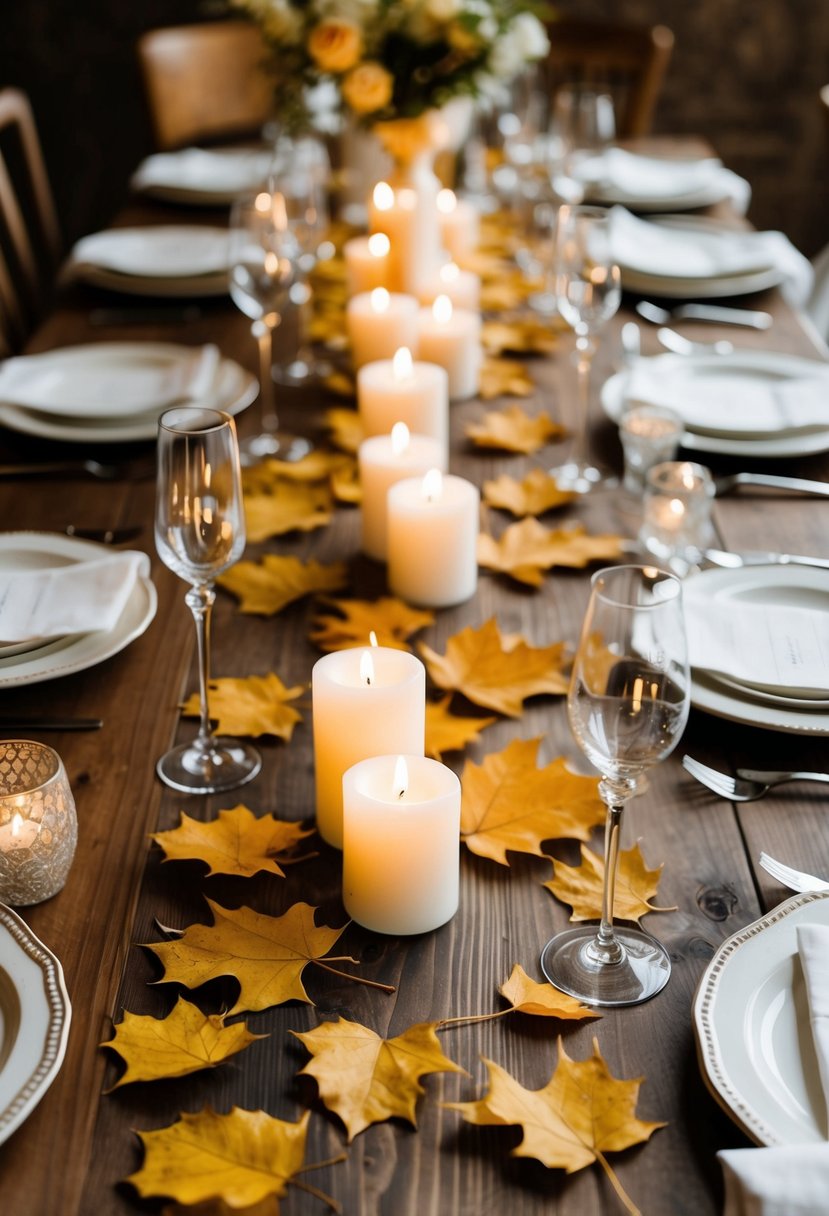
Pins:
x: 401, y: 831
x: 379, y: 323
x: 460, y: 224
x: 451, y: 337
x: 433, y: 540
x: 409, y: 218
x: 366, y: 263
x: 367, y: 701
x: 384, y: 460
x: 461, y: 286
x: 399, y: 389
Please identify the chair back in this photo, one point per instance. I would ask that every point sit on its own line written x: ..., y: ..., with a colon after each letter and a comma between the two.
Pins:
x: 207, y: 81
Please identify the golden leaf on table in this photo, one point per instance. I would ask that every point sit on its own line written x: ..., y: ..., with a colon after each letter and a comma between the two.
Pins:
x: 292, y: 506
x: 513, y: 430
x: 504, y: 378
x: 581, y: 886
x: 521, y: 336
x: 542, y: 1000
x: 267, y: 586
x: 240, y: 1158
x: 266, y: 954
x: 504, y: 294
x: 365, y: 1079
x: 237, y: 842
x: 345, y: 483
x: 316, y: 466
x: 582, y: 1113
x: 487, y: 265
x: 526, y: 549
x: 508, y: 802
x: 253, y: 705
x: 497, y: 672
x: 328, y: 325
x: 536, y: 494
x: 183, y: 1042
x: 448, y: 732
x: 343, y: 384
x: 392, y: 620
x: 346, y: 429
x: 217, y: 1207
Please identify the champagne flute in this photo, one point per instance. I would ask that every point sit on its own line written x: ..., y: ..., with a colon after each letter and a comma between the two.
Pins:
x: 588, y: 291
x: 199, y: 532
x: 263, y: 256
x: 627, y: 704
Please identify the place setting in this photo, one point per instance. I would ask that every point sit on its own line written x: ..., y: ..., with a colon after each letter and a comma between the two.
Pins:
x: 202, y: 177
x: 657, y: 183
x: 168, y: 260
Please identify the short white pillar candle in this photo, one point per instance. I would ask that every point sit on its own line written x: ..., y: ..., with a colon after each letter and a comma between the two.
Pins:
x: 401, y: 390
x: 379, y: 323
x: 366, y: 701
x: 383, y: 460
x: 451, y: 337
x: 401, y: 832
x: 433, y: 540
x: 460, y: 224
x: 366, y: 263
x: 461, y: 286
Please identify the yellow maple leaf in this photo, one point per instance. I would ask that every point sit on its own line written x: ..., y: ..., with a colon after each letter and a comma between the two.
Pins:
x: 582, y: 1113
x: 236, y: 843
x: 217, y: 1207
x: 448, y: 732
x: 341, y: 383
x: 537, y: 493
x: 365, y: 1079
x: 350, y: 624
x: 495, y: 671
x: 542, y: 1000
x: 345, y: 483
x: 508, y: 802
x: 526, y: 549
x: 240, y: 1158
x: 346, y: 429
x: 520, y: 335
x: 504, y: 378
x: 266, y: 954
x: 291, y: 506
x: 252, y: 705
x: 267, y: 586
x: 513, y: 430
x: 183, y: 1042
x: 581, y: 886
x: 316, y: 466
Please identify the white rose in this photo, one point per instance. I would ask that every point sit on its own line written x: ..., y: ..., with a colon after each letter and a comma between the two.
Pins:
x: 530, y: 35
x: 506, y: 58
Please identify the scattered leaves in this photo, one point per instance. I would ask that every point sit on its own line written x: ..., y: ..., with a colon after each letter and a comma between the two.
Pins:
x: 345, y: 483
x: 236, y: 843
x: 316, y: 466
x: 542, y: 1000
x: 513, y: 430
x: 253, y: 705
x: 290, y: 506
x: 537, y: 493
x: 267, y: 586
x: 523, y: 335
x: 392, y: 620
x: 447, y: 732
x: 342, y: 384
x: 504, y: 378
x: 346, y: 429
x: 526, y: 549
x: 581, y: 886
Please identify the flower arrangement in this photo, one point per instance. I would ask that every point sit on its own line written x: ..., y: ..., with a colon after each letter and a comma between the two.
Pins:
x: 393, y: 59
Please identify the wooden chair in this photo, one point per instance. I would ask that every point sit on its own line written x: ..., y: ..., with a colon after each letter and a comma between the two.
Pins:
x: 205, y: 81
x: 630, y: 60
x: 30, y: 240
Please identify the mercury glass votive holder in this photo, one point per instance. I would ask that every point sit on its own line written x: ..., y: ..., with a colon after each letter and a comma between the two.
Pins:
x: 677, y: 510
x: 650, y: 434
x: 38, y: 823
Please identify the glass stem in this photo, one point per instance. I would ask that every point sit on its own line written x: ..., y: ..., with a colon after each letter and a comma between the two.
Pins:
x: 263, y: 333
x: 302, y: 295
x: 200, y: 602
x: 605, y: 948
x: 583, y: 358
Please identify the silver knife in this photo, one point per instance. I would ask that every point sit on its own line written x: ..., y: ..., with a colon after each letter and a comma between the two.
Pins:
x: 757, y: 557
x: 795, y: 485
x: 726, y: 316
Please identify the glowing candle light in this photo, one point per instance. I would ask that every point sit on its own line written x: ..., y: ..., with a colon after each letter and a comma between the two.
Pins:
x: 451, y: 337
x: 366, y: 262
x: 384, y: 460
x: 379, y: 323
x: 432, y: 539
x: 460, y: 224
x: 399, y: 388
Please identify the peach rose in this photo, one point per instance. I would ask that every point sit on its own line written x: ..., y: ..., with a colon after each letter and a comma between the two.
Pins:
x: 335, y: 46
x: 368, y: 88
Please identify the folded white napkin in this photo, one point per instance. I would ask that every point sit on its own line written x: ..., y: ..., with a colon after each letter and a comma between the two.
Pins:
x: 791, y: 1179
x: 164, y: 251
x: 630, y: 177
x: 77, y: 598
x: 220, y: 170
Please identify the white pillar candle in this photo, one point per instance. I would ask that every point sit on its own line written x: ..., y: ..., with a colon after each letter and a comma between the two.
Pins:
x: 401, y: 831
x: 460, y: 224
x: 409, y: 219
x: 366, y: 701
x: 384, y: 460
x: 366, y: 263
x: 379, y: 323
x: 451, y: 337
x: 399, y: 389
x: 433, y: 540
x: 461, y: 286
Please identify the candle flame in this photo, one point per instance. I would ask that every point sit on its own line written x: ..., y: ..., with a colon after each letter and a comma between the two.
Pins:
x: 442, y: 310
x: 380, y: 300
x: 450, y: 273
x: 399, y: 438
x: 367, y: 668
x: 383, y: 196
x: 401, y: 777
x: 17, y: 823
x: 379, y: 245
x: 372, y: 638
x: 687, y: 477
x: 401, y: 365
x: 432, y: 485
x: 446, y: 201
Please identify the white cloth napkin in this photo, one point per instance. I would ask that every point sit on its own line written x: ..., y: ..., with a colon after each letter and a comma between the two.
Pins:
x: 630, y: 177
x: 77, y: 598
x: 791, y: 1179
x: 168, y: 251
x: 221, y: 170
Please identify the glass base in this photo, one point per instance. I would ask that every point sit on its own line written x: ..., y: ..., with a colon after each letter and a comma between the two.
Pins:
x: 584, y: 477
x: 224, y: 766
x: 277, y: 444
x: 642, y: 971
x: 302, y: 371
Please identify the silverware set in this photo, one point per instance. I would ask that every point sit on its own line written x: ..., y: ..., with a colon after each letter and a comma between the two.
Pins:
x: 716, y: 313
x: 748, y: 784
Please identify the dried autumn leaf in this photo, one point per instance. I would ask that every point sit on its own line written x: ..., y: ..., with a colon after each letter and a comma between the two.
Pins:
x: 253, y: 705
x: 495, y: 671
x: 267, y: 586
x: 582, y: 1113
x: 217, y: 1207
x: 448, y: 732
x: 291, y: 506
x: 537, y: 493
x: 508, y: 802
x: 526, y: 549
x: 346, y: 429
x: 240, y: 1158
x: 513, y: 430
x: 345, y: 483
x: 266, y: 954
x: 238, y: 842
x: 341, y: 383
x: 523, y: 336
x: 542, y: 1000
x: 316, y: 466
x: 504, y: 378
x: 502, y: 295
x: 183, y: 1042
x: 365, y: 1079
x: 581, y: 886
x: 391, y: 619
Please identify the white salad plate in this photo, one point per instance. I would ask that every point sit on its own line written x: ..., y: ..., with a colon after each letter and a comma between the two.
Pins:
x: 751, y: 1019
x: 167, y: 260
x: 75, y: 652
x: 34, y: 1020
x: 206, y: 177
x: 651, y: 183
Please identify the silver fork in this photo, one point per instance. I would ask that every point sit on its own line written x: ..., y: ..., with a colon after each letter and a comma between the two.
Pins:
x: 749, y: 783
x: 796, y: 879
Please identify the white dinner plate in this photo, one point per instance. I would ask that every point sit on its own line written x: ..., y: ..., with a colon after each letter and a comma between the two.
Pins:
x: 206, y: 177
x: 751, y: 1019
x: 75, y: 652
x: 34, y: 1020
x: 795, y: 586
x: 168, y: 260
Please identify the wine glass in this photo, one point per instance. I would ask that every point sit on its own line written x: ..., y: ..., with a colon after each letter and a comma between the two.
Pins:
x: 263, y: 256
x: 199, y: 532
x: 628, y: 705
x: 588, y: 292
x: 583, y: 115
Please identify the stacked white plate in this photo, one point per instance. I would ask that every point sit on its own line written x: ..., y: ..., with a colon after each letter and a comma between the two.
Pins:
x: 206, y: 177
x: 114, y: 392
x: 179, y: 260
x: 650, y: 183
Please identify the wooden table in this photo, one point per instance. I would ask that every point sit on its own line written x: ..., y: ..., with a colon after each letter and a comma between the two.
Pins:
x: 70, y: 1156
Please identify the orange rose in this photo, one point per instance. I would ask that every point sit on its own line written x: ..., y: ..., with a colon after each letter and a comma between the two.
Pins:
x: 335, y: 46
x: 368, y: 88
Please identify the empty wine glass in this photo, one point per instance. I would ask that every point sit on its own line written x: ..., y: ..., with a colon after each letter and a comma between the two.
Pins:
x: 199, y: 532
x: 583, y: 115
x: 588, y: 292
x: 628, y: 705
x: 263, y: 257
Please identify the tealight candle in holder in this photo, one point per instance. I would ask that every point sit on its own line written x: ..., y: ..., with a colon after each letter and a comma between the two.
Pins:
x: 402, y: 390
x: 38, y: 824
x: 677, y: 510
x: 433, y: 540
x: 650, y: 434
x: 451, y: 337
x: 383, y: 460
x: 379, y: 323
